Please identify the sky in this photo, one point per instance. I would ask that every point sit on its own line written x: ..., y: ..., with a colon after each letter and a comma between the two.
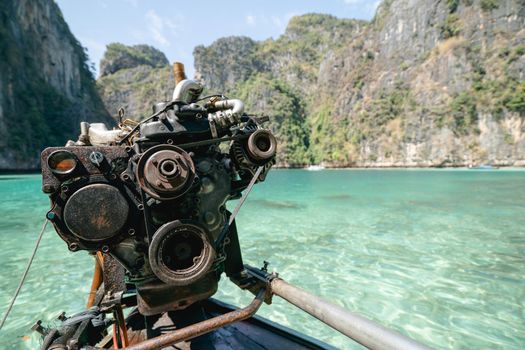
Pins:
x: 175, y: 27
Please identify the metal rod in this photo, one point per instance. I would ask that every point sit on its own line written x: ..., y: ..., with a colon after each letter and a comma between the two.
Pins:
x: 24, y: 275
x: 364, y: 331
x: 201, y: 328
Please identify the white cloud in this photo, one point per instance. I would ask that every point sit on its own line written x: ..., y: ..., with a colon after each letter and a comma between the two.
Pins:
x: 156, y: 28
x: 251, y: 20
x: 161, y: 28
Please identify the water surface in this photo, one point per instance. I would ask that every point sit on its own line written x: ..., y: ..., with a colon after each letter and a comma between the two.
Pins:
x: 436, y: 254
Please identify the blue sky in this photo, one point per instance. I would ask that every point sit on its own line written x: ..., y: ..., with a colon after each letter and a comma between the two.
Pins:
x: 176, y: 27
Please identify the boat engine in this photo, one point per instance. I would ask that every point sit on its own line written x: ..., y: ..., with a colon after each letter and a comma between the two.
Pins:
x: 152, y: 195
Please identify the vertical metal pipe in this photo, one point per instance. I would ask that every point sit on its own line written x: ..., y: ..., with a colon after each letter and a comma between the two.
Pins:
x: 95, y: 284
x: 178, y: 71
x: 360, y: 329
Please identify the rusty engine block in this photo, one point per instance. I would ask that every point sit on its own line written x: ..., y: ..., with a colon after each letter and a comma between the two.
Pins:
x: 153, y: 194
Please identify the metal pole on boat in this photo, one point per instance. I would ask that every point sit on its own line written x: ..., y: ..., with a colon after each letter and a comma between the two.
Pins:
x: 364, y: 331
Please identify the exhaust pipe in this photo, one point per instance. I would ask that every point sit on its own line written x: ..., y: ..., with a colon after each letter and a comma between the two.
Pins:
x: 186, y: 90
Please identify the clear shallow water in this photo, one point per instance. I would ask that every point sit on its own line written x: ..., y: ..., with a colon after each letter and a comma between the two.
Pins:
x: 436, y: 254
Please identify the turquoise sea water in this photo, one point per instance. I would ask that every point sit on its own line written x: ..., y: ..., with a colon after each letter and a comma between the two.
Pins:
x: 436, y: 254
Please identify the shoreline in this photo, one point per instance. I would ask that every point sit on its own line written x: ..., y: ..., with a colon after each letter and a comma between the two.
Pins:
x: 458, y: 167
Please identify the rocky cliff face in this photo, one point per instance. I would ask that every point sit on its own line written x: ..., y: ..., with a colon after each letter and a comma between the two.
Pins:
x: 279, y: 77
x: 426, y: 83
x: 441, y: 83
x: 46, y: 88
x: 134, y: 78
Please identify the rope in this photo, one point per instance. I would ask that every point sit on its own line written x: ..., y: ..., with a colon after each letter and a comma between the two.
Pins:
x: 24, y: 275
x: 245, y: 194
x: 235, y: 211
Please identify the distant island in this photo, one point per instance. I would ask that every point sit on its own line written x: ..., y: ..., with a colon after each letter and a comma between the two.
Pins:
x: 424, y: 84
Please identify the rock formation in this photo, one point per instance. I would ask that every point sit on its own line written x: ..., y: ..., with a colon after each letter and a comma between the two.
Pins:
x: 46, y: 87
x: 425, y: 83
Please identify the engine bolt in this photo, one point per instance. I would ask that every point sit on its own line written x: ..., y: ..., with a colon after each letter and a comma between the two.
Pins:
x: 131, y: 232
x: 51, y: 216
x: 47, y: 188
x: 37, y: 327
x: 105, y: 249
x: 73, y: 247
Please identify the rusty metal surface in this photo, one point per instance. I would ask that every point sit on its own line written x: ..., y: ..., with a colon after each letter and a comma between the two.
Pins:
x: 262, y: 145
x: 113, y: 276
x: 254, y: 333
x: 165, y: 172
x: 178, y: 71
x: 96, y: 212
x: 201, y: 327
x: 180, y: 253
x: 155, y: 297
x: 113, y: 154
x: 95, y: 284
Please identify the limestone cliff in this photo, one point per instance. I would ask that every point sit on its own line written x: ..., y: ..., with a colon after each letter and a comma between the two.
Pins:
x: 134, y: 78
x: 431, y: 83
x: 426, y: 83
x: 46, y: 87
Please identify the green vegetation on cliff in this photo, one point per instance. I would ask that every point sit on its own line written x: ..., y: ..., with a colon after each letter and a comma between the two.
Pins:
x: 119, y: 56
x: 424, y: 83
x: 135, y: 78
x: 286, y: 111
x: 421, y: 85
x: 39, y: 105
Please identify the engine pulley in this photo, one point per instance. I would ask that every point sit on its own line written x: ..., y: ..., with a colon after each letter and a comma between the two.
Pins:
x: 261, y: 145
x: 180, y: 253
x: 165, y: 172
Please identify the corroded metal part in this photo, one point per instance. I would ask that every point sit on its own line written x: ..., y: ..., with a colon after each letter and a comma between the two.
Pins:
x: 155, y: 297
x: 96, y: 212
x: 178, y: 72
x: 157, y: 206
x: 180, y: 253
x: 165, y: 172
x: 113, y: 276
x: 261, y: 145
x: 117, y: 156
x: 201, y: 328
